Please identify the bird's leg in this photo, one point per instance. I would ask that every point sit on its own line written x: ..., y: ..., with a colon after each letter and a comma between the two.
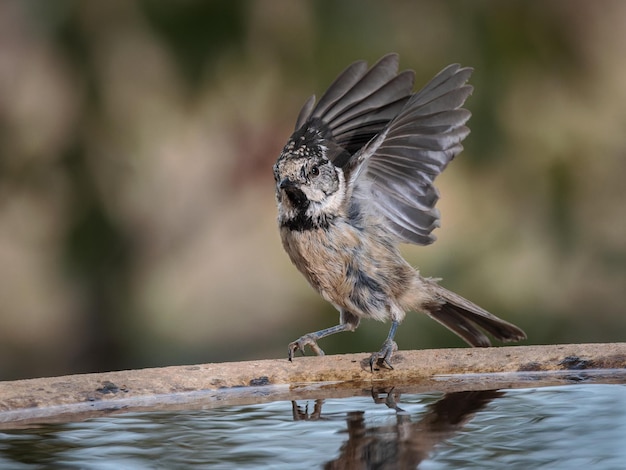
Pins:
x: 311, y: 340
x: 348, y: 322
x: 382, y: 357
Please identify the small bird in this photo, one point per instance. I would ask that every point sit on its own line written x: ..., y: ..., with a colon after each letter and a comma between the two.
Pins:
x: 355, y: 180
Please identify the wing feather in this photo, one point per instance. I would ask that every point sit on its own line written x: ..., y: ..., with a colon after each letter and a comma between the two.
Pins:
x: 394, y: 173
x: 392, y: 143
x: 383, y: 72
x: 359, y: 104
x: 339, y: 88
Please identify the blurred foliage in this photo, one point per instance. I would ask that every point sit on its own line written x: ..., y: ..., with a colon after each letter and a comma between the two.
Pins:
x: 198, y: 32
x: 137, y: 218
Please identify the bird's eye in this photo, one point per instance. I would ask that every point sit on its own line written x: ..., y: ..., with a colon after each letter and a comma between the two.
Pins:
x: 315, y: 170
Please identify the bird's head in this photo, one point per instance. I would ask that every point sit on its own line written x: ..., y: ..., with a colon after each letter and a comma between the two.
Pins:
x: 308, y: 185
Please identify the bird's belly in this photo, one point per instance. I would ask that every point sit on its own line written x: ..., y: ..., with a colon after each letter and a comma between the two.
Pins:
x: 322, y: 260
x: 348, y: 272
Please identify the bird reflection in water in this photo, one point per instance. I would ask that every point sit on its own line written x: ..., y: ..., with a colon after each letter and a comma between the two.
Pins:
x: 403, y: 443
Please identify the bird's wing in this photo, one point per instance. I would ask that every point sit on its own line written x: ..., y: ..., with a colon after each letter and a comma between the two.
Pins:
x: 358, y: 105
x: 393, y: 174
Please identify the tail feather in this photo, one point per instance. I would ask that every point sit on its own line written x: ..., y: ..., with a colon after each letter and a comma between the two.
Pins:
x: 465, y: 318
x: 457, y: 323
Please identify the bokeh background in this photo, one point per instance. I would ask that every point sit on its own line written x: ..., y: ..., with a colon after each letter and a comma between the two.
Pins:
x: 137, y: 214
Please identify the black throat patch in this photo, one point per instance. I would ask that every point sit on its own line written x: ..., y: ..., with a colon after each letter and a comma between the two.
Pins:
x: 303, y: 222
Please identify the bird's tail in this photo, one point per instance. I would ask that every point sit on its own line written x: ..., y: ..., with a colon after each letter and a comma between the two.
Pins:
x: 468, y: 320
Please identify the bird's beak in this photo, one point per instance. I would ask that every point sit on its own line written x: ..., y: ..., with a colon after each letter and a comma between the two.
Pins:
x: 286, y: 183
x: 293, y: 191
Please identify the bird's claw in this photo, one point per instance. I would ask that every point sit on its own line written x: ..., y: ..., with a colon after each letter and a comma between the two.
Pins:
x: 382, y: 357
x: 301, y: 343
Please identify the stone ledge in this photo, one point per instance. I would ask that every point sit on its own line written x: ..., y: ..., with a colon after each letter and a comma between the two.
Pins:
x: 209, y: 385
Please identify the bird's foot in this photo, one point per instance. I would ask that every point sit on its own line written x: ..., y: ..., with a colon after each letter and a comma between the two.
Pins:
x: 382, y: 358
x: 299, y: 345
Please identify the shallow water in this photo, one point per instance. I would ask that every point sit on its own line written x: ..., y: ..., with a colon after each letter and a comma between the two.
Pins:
x: 574, y: 426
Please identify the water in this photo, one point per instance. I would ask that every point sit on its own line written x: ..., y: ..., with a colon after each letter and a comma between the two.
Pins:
x: 573, y: 426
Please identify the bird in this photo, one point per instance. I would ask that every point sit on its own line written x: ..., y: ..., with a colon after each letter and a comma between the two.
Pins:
x: 355, y: 180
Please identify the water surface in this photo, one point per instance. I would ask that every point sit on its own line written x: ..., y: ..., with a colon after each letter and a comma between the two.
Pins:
x: 573, y: 426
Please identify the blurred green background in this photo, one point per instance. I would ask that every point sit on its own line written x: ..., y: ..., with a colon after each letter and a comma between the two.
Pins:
x: 137, y: 214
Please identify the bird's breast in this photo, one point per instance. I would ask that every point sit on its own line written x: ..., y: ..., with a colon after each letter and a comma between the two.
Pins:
x: 322, y: 256
x: 349, y: 267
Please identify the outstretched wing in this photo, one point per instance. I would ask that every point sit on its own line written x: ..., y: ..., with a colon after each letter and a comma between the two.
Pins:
x: 394, y: 173
x: 358, y: 105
